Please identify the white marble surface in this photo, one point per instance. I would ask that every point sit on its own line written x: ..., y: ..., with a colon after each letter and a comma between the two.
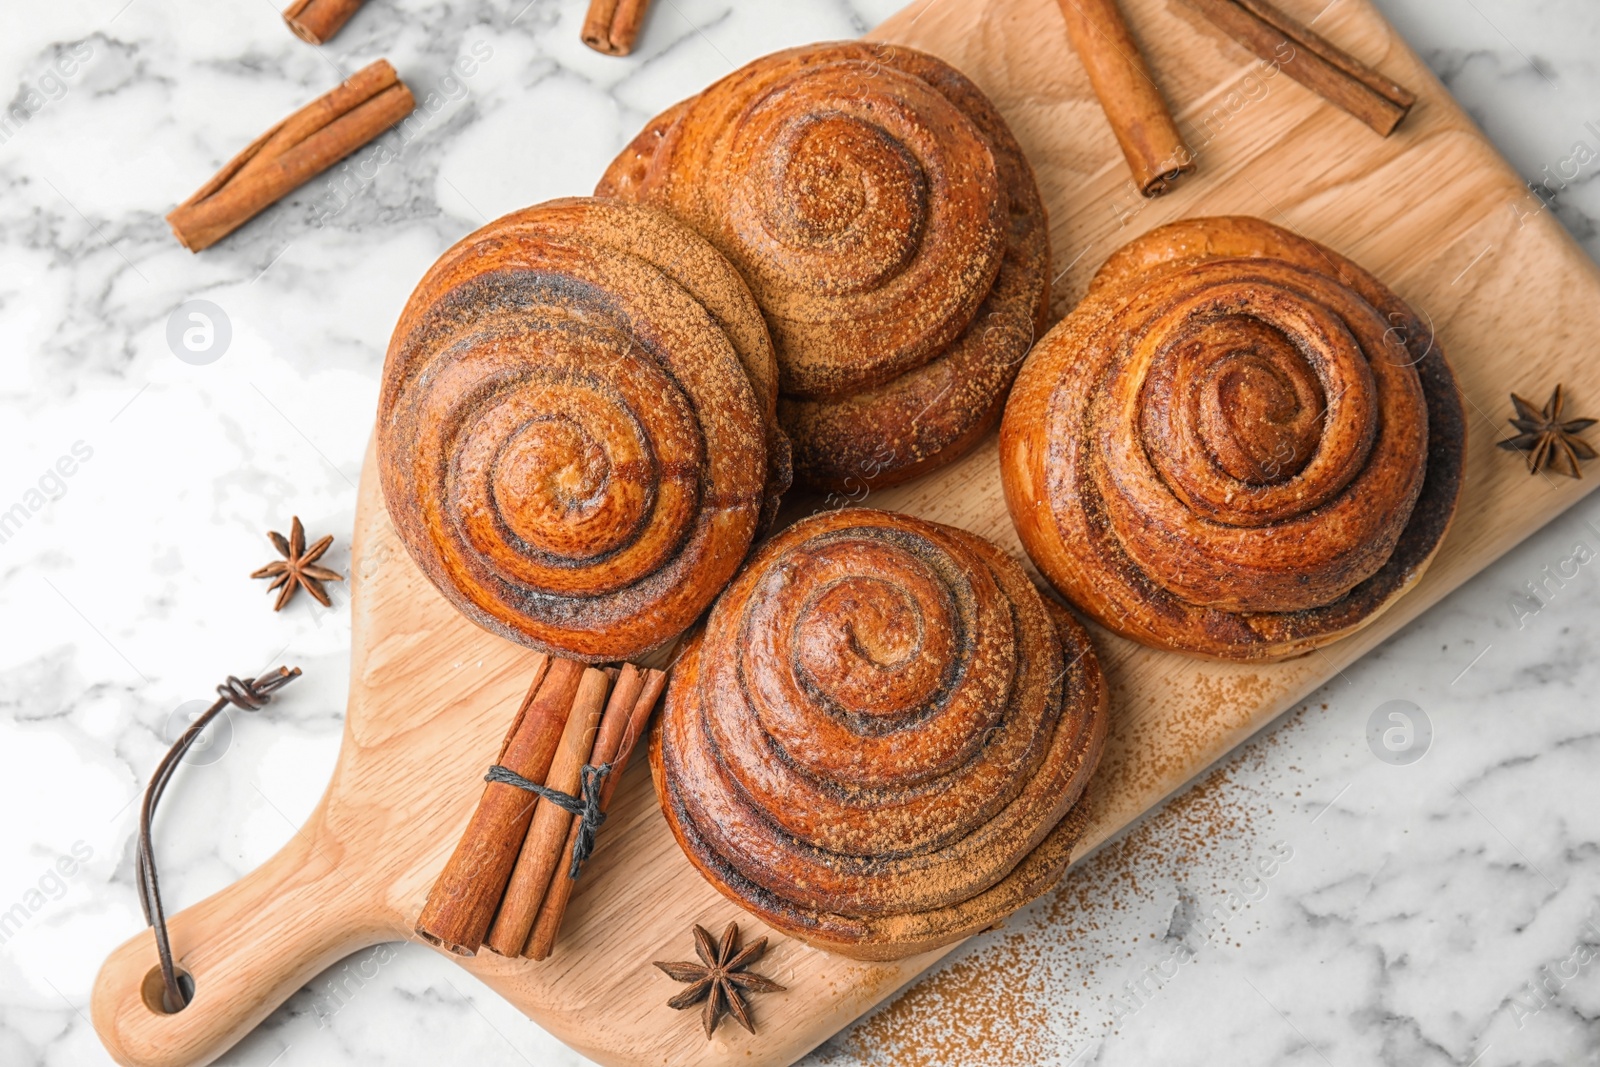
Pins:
x: 1417, y: 905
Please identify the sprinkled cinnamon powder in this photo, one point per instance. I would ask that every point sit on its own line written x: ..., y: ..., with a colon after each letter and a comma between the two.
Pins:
x: 1043, y: 988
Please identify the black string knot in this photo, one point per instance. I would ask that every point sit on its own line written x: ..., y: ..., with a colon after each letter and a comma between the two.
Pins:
x: 249, y: 694
x: 253, y: 694
x: 586, y: 806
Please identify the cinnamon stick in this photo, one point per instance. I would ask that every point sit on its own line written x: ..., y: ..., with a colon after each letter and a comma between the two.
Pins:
x: 612, y: 26
x: 1312, y: 60
x: 647, y: 691
x: 1133, y: 105
x: 462, y: 902
x: 291, y: 153
x: 315, y: 21
x: 541, y: 846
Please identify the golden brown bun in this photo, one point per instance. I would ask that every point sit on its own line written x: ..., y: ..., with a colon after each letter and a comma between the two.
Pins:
x: 1240, y: 445
x: 576, y: 430
x: 891, y: 230
x: 875, y: 743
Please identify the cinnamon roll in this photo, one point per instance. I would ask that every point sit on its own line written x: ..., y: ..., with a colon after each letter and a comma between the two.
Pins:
x: 1240, y: 445
x: 891, y: 230
x: 576, y: 431
x: 875, y: 743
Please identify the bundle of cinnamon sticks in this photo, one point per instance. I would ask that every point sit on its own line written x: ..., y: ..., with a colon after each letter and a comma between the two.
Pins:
x: 509, y: 880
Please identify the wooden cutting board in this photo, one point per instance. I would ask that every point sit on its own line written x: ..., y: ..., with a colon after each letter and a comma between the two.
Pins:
x: 1433, y: 210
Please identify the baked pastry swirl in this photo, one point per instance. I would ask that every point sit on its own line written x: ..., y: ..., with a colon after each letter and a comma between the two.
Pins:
x: 875, y: 740
x: 1240, y: 445
x: 891, y: 230
x: 576, y: 430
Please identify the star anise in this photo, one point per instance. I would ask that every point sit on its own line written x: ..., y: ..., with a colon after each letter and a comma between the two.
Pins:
x: 719, y: 978
x: 298, y: 567
x: 1550, y: 442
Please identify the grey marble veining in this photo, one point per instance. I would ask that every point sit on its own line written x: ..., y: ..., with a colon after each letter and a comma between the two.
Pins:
x: 1442, y: 912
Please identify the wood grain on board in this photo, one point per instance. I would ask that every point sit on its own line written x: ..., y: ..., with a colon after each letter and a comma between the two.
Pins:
x: 1432, y: 210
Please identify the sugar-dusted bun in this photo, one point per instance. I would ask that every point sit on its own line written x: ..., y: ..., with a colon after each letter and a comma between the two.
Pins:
x: 1240, y: 445
x: 891, y: 230
x: 875, y: 743
x: 576, y: 430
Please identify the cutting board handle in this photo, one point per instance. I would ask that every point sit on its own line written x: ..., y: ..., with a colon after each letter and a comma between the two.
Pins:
x: 247, y: 949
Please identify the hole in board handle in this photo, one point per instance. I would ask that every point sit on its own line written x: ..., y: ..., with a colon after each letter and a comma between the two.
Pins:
x: 154, y: 991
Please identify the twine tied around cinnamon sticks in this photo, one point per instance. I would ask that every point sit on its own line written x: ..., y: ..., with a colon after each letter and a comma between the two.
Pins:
x: 247, y: 694
x: 585, y: 807
x: 503, y: 885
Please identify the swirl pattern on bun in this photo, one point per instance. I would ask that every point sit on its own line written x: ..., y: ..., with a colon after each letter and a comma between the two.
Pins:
x: 891, y: 230
x: 576, y: 429
x: 1240, y: 444
x: 875, y: 740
